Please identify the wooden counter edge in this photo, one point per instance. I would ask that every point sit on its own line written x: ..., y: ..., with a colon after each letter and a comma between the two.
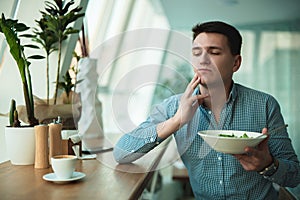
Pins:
x: 137, y: 193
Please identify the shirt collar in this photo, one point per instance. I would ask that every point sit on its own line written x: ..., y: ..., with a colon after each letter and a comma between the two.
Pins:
x: 233, y: 93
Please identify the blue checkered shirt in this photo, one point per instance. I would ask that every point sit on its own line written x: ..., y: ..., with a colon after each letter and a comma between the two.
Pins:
x: 215, y: 175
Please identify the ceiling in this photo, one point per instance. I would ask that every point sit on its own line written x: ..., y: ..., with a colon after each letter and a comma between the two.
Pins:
x: 183, y: 14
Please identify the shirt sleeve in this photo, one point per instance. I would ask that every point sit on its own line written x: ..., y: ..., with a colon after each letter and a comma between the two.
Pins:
x: 141, y: 140
x: 288, y: 172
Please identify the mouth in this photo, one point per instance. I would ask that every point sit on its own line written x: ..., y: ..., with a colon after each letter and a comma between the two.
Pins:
x: 203, y: 70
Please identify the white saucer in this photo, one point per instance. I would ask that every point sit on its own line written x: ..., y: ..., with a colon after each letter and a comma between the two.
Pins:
x: 52, y: 177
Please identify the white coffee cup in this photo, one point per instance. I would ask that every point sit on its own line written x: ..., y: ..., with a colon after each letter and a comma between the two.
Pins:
x: 63, y: 165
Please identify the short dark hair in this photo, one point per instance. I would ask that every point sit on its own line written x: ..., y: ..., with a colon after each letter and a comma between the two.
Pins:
x: 233, y: 36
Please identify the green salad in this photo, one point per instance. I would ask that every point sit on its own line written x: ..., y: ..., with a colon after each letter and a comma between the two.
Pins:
x: 234, y: 136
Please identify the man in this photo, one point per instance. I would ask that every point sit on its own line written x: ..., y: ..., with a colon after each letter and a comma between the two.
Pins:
x: 213, y: 101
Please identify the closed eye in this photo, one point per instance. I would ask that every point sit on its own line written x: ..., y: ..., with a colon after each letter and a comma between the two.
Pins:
x: 215, y: 50
x: 196, y: 52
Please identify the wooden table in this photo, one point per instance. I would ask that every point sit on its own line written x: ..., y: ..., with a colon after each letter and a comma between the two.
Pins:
x: 105, y: 179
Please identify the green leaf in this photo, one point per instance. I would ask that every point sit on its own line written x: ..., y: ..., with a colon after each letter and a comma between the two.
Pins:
x: 10, y: 29
x: 66, y: 8
x: 79, y: 81
x: 36, y: 57
x: 20, y: 27
x: 71, y: 31
x: 31, y: 46
x: 27, y: 35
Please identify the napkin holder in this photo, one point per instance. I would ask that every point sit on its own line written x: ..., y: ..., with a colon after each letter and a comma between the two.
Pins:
x: 71, y: 138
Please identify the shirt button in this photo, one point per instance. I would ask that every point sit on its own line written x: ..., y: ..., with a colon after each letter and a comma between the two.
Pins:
x: 152, y: 139
x: 220, y: 158
x: 221, y: 182
x: 209, y: 112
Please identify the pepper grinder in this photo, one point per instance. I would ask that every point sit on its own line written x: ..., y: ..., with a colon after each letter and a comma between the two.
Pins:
x: 41, y: 146
x: 55, y: 139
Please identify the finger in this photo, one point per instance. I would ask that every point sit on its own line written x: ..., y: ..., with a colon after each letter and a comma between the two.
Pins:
x: 192, y: 85
x: 251, y: 152
x: 263, y: 145
x: 247, y: 166
x: 264, y: 131
x: 201, y: 96
x: 243, y: 158
x: 201, y: 99
x: 195, y: 77
x: 198, y: 99
x: 196, y: 82
x: 265, y: 141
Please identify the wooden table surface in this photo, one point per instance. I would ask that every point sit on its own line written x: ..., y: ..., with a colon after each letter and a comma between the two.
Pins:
x: 105, y: 179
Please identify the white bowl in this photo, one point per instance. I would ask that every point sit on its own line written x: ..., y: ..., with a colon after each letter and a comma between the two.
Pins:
x: 231, y: 145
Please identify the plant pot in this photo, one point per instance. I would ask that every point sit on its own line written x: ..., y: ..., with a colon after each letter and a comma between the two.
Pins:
x: 69, y: 113
x: 20, y: 145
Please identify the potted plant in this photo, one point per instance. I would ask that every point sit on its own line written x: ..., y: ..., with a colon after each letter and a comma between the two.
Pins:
x: 48, y: 40
x: 53, y: 28
x: 19, y: 144
x: 11, y: 28
x: 58, y: 18
x: 67, y: 86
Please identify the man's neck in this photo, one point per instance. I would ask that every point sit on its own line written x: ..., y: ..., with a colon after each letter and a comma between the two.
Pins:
x: 218, y: 95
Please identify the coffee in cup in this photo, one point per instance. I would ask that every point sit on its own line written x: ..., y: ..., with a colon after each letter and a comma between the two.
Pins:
x: 63, y: 165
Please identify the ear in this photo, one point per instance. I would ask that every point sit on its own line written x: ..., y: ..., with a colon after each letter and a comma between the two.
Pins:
x: 237, y: 63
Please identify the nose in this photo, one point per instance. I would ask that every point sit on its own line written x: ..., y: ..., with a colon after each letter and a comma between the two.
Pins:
x: 204, y: 58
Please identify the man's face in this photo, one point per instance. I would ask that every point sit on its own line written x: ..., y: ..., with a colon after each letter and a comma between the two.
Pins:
x: 212, y: 60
